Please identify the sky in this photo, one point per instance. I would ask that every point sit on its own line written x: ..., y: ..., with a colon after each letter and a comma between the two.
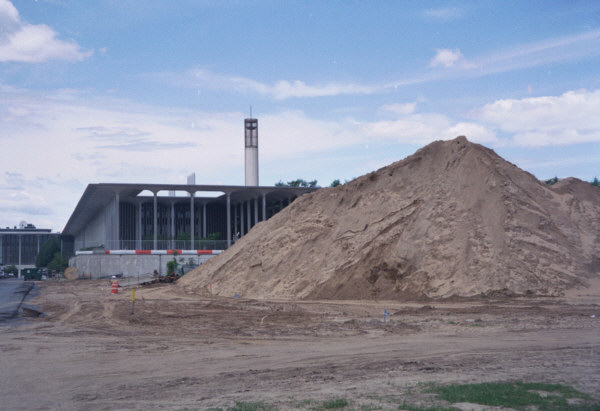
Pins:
x: 123, y: 91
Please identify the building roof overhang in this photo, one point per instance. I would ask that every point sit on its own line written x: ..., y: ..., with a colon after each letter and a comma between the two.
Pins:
x: 97, y: 196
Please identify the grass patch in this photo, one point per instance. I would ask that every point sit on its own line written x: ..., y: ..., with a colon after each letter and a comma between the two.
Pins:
x: 252, y: 406
x: 334, y: 404
x: 304, y: 404
x: 419, y: 408
x: 429, y: 396
x: 370, y: 407
x: 517, y: 395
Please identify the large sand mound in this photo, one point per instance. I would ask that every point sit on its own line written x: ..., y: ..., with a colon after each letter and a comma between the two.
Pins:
x: 453, y: 219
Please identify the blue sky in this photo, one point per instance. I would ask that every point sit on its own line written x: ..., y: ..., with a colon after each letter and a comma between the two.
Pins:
x: 151, y: 91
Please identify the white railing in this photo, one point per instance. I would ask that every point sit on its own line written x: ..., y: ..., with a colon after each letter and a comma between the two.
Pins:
x: 149, y: 245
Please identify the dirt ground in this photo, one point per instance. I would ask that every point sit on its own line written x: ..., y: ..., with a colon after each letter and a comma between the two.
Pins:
x: 184, y: 352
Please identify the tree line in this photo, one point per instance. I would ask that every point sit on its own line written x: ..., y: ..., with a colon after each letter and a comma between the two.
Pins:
x: 303, y: 183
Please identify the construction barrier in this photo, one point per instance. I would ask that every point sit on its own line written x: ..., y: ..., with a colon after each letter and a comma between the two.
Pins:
x: 115, y: 287
x: 154, y: 252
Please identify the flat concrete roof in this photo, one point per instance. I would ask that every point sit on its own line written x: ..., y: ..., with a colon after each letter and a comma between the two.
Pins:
x: 97, y: 196
x: 25, y: 230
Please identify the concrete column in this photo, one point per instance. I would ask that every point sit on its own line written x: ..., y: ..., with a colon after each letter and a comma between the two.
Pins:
x: 38, y: 244
x: 249, y: 223
x: 235, y: 226
x: 20, y: 235
x: 117, y: 233
x: 138, y: 233
x: 155, y: 223
x: 228, y: 220
x: 192, y: 221
x: 256, y: 211
x: 172, y: 224
x: 264, y: 207
x: 204, y: 220
x: 242, y: 218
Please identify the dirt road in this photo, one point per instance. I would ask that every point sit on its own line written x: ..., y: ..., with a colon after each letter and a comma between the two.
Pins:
x: 180, y: 351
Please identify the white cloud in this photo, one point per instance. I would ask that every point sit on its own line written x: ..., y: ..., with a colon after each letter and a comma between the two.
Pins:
x: 8, y: 13
x: 446, y: 58
x: 422, y: 129
x: 414, y: 129
x: 102, y: 141
x: 22, y: 198
x: 23, y: 42
x: 517, y: 57
x: 474, y: 132
x: 447, y: 64
x: 72, y: 134
x: 534, y: 54
x: 109, y: 140
x: 286, y: 89
x: 444, y: 13
x: 18, y: 200
x: 546, y: 51
x: 400, y: 108
x: 281, y: 90
x: 73, y: 139
x: 291, y: 133
x: 570, y: 118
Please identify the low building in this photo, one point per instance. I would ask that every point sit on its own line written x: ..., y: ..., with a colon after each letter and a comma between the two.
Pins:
x: 141, y: 220
x: 21, y: 246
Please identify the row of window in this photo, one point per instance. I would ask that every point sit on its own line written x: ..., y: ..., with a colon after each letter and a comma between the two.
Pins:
x: 29, y: 245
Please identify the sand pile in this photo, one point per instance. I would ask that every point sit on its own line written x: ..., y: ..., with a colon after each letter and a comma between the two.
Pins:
x: 453, y: 219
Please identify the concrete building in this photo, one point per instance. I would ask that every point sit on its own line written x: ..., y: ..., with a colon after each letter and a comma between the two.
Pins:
x: 21, y: 246
x: 122, y: 219
x: 139, y: 222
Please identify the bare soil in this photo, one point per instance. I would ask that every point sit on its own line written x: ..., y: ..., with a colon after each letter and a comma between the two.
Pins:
x: 179, y: 351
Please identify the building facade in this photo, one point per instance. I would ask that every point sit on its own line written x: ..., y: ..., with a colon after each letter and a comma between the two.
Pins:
x: 163, y: 216
x: 21, y: 246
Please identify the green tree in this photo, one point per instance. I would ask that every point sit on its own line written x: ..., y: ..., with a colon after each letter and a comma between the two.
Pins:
x: 11, y: 269
x: 212, y: 236
x: 595, y: 182
x: 297, y: 183
x: 173, y: 264
x: 58, y: 263
x: 47, y: 252
x: 183, y: 237
x: 335, y: 183
x: 552, y: 181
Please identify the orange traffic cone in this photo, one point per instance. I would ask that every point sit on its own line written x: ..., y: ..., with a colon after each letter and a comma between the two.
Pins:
x: 115, y: 287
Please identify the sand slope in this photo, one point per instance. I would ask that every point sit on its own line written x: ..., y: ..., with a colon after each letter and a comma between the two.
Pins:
x: 453, y: 219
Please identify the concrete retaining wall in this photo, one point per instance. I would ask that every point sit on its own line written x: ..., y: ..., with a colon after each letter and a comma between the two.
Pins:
x: 100, y: 265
